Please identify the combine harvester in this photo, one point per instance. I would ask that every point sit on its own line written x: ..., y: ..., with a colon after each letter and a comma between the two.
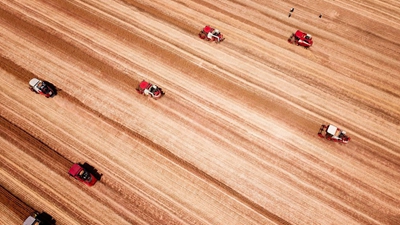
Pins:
x: 332, y: 133
x: 301, y: 38
x: 78, y: 172
x: 147, y: 88
x: 211, y: 34
x: 41, y: 87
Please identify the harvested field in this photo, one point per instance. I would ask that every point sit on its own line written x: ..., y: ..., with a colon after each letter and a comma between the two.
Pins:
x: 233, y: 141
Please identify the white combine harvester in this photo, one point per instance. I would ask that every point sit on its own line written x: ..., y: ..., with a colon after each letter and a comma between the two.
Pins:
x: 41, y: 87
x: 332, y: 133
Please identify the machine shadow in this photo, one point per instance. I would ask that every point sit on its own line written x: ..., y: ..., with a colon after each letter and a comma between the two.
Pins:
x: 92, y: 170
x: 45, y: 218
x: 53, y: 88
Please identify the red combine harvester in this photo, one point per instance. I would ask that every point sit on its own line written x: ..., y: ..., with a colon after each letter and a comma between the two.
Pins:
x: 211, y: 34
x: 301, y: 38
x: 332, y: 133
x: 41, y: 87
x: 79, y: 173
x: 147, y: 88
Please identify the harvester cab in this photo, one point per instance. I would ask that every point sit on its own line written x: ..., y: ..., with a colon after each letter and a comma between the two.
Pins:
x: 36, y: 84
x: 153, y: 88
x: 216, y: 32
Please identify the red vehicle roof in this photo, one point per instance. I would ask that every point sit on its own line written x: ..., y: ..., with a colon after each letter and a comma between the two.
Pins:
x: 207, y: 29
x: 300, y: 34
x: 75, y: 169
x: 143, y: 84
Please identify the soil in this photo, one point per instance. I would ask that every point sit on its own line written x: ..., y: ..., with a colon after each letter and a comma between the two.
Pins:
x: 233, y: 140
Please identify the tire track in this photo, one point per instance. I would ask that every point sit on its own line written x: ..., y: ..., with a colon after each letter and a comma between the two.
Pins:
x: 383, y: 157
x: 60, y: 164
x: 81, y: 57
x: 313, y: 182
x: 184, y: 164
x: 15, y: 204
x: 30, y: 144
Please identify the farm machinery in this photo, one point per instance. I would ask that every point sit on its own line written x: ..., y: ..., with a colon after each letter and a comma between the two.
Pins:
x: 42, y: 87
x: 147, y: 88
x: 332, y: 133
x: 211, y: 34
x: 78, y: 172
x: 39, y: 219
x: 301, y: 38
